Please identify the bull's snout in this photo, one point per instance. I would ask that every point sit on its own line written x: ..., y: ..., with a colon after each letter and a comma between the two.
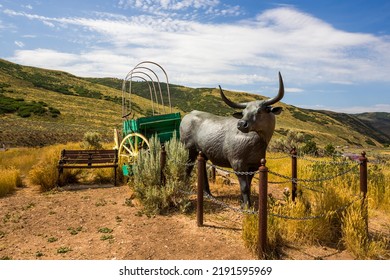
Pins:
x: 243, y: 126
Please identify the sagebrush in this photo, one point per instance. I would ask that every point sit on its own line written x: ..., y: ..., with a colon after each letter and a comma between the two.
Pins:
x: 159, y: 195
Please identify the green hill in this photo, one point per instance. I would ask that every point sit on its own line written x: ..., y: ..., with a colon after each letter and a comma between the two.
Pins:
x: 379, y: 122
x: 40, y: 107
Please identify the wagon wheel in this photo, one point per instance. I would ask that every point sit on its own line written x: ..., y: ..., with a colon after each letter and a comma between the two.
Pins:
x: 130, y: 148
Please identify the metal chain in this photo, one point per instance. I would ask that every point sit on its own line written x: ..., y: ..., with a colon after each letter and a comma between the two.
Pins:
x: 221, y: 203
x: 289, y: 179
x: 225, y: 205
x: 341, y: 208
x: 279, y: 183
x: 232, y: 171
x: 312, y: 189
x: 321, y: 161
x: 252, y: 212
x: 296, y: 180
x: 281, y: 157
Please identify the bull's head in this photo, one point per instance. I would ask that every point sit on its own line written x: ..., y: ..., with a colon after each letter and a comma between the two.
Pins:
x: 255, y: 114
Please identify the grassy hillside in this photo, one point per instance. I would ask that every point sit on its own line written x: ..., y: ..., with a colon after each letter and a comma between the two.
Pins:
x: 40, y: 107
x: 378, y: 121
x: 33, y: 95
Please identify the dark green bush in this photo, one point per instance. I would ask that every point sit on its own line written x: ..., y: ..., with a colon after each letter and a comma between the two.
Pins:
x: 24, y: 108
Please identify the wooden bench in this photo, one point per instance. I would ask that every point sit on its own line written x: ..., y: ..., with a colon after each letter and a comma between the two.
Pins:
x: 88, y: 159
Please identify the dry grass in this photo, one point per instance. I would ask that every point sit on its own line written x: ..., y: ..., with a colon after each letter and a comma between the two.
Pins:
x: 45, y: 173
x: 9, y: 180
x: 39, y: 166
x: 20, y: 158
x: 334, y: 203
x: 356, y: 238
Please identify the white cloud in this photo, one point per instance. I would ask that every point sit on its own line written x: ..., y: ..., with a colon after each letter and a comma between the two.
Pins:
x: 182, y: 8
x: 155, y: 5
x: 48, y: 23
x: 28, y: 6
x: 352, y: 109
x: 305, y: 49
x: 98, y: 63
x: 45, y: 58
x: 19, y: 44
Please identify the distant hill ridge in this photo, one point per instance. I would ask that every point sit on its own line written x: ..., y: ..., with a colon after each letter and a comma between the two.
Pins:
x: 41, y: 107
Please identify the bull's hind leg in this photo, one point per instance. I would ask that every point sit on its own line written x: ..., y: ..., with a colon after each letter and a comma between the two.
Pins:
x: 192, y: 155
x: 206, y: 180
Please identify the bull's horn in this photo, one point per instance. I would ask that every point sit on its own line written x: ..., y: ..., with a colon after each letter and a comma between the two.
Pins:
x: 280, y: 93
x: 231, y: 103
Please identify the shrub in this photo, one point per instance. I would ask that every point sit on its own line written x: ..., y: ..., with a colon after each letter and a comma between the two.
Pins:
x: 156, y: 197
x: 25, y: 109
x: 329, y: 150
x: 310, y: 148
x: 293, y: 139
x: 9, y: 180
x: 91, y: 140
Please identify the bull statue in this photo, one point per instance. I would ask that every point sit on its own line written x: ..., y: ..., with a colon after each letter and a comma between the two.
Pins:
x: 239, y: 142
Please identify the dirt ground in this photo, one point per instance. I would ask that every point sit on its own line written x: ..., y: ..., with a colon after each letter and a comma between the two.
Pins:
x: 102, y: 222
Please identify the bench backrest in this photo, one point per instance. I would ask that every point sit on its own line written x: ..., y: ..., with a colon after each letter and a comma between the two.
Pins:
x: 88, y: 156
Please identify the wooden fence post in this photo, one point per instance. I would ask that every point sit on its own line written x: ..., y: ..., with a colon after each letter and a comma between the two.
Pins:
x: 293, y: 173
x: 263, y: 194
x: 363, y: 186
x: 201, y: 181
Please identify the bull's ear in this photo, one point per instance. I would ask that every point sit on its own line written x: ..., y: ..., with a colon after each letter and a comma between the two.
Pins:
x: 237, y: 115
x: 276, y: 110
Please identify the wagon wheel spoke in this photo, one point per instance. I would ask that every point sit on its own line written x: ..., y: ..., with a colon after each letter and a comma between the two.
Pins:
x: 128, y: 142
x: 130, y: 148
x: 136, y: 145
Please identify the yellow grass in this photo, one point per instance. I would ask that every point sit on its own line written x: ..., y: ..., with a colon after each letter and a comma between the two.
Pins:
x: 9, y: 180
x: 338, y: 220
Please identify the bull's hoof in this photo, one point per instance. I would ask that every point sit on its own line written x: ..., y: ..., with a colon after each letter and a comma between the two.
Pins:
x: 209, y: 193
x: 245, y: 205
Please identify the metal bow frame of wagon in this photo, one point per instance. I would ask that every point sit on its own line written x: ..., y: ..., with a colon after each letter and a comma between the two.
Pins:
x: 136, y: 132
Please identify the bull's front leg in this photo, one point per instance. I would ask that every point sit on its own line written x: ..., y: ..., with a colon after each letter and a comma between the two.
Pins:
x: 245, y: 187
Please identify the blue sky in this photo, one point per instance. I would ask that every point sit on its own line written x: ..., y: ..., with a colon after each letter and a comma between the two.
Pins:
x: 332, y: 54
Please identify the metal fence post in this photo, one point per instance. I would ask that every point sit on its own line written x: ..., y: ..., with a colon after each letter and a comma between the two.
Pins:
x: 263, y: 193
x: 163, y: 161
x: 201, y: 181
x: 363, y: 186
x: 293, y: 173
